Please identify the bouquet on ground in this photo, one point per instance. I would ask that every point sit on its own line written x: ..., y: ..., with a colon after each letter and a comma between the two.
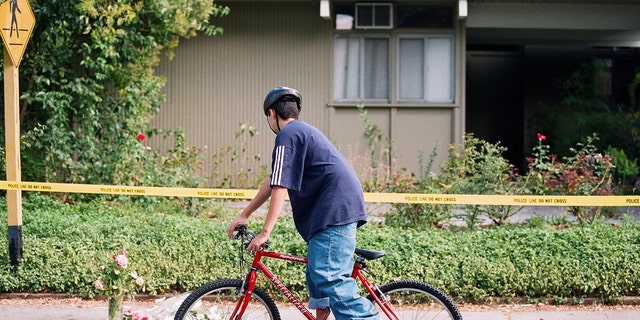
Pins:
x: 116, y: 278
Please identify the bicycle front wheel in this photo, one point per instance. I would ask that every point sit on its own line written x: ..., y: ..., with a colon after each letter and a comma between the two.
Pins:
x: 216, y: 300
x: 417, y: 300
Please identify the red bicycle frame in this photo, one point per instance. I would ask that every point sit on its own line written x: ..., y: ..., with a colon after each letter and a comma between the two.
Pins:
x: 257, y: 265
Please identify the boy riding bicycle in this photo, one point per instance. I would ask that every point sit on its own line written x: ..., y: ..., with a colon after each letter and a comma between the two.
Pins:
x: 327, y: 202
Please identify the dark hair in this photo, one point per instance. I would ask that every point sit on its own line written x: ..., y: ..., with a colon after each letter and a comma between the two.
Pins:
x: 286, y: 109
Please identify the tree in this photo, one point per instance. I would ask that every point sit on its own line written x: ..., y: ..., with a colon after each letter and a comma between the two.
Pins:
x: 87, y: 75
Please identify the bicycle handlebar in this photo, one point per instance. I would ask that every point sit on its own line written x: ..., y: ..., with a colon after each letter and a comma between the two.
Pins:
x: 242, y: 230
x: 244, y: 233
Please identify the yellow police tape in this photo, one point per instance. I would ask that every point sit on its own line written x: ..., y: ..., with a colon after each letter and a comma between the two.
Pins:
x: 513, y: 200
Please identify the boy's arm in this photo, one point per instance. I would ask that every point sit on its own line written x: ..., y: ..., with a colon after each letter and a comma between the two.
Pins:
x: 243, y: 218
x: 278, y: 195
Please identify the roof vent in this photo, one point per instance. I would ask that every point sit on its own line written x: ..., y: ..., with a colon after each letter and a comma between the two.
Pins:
x: 374, y: 15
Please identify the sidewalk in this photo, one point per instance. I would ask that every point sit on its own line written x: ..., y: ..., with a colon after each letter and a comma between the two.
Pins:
x: 71, y: 309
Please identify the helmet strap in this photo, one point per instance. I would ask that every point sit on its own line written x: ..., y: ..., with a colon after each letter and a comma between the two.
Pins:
x: 277, y: 122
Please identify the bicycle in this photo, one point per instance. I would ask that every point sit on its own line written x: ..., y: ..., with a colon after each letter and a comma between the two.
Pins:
x: 235, y: 299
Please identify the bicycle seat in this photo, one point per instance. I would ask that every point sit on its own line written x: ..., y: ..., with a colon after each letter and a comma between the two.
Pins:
x: 370, y: 254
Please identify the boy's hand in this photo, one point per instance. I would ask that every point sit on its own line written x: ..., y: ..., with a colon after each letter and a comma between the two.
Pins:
x: 258, y: 241
x: 233, y: 227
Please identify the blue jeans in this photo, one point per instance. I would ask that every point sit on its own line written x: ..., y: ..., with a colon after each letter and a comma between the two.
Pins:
x: 330, y: 255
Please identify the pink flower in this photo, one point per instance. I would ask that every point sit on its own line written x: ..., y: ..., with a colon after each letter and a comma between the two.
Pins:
x: 98, y: 284
x: 541, y: 137
x: 139, y: 280
x: 121, y: 260
x: 114, y: 279
x: 141, y: 137
x: 134, y: 315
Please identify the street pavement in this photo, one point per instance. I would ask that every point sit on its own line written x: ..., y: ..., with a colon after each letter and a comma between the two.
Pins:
x: 67, y: 309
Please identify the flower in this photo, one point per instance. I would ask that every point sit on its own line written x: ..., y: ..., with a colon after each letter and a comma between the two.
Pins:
x: 121, y: 260
x: 139, y: 280
x: 98, y: 284
x: 113, y: 279
x: 141, y: 137
x: 541, y: 137
x: 135, y: 315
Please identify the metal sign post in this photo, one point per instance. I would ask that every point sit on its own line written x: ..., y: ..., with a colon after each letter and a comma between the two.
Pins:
x: 16, y: 23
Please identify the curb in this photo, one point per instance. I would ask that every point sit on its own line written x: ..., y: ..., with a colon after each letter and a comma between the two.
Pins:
x: 35, y: 296
x: 626, y: 301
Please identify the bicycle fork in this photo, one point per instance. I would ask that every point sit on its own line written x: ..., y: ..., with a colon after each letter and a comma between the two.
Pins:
x: 248, y: 285
x: 378, y: 296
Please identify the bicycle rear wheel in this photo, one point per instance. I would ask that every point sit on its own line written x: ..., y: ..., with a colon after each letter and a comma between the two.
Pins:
x: 216, y: 300
x: 417, y: 300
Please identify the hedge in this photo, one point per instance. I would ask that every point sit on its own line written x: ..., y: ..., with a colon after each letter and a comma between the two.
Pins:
x: 175, y: 252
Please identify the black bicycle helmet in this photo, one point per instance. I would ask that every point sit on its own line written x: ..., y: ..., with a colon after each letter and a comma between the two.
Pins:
x: 282, y: 93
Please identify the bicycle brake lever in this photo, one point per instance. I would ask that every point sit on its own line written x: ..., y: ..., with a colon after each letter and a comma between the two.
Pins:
x: 242, y: 231
x: 252, y: 235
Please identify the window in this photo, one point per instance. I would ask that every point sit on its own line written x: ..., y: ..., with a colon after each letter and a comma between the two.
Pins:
x: 412, y: 64
x: 361, y: 68
x: 374, y: 16
x: 421, y: 16
x: 425, y: 68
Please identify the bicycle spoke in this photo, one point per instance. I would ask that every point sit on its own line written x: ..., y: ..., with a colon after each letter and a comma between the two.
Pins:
x: 217, y: 301
x: 416, y: 301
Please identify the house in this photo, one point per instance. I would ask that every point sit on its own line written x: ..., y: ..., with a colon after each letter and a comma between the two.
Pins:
x: 426, y: 71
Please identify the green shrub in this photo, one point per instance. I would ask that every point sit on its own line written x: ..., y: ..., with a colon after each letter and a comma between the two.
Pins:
x: 624, y: 170
x: 579, y: 111
x: 587, y: 172
x: 421, y: 215
x: 478, y: 167
x: 32, y: 163
x: 233, y: 166
x: 174, y: 252
x: 89, y: 77
x: 379, y: 156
